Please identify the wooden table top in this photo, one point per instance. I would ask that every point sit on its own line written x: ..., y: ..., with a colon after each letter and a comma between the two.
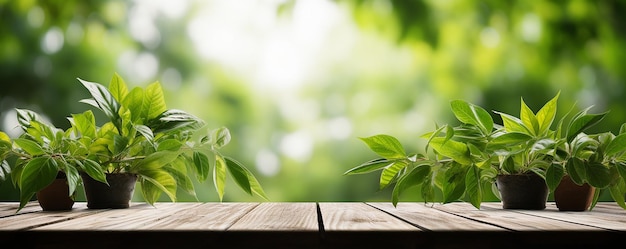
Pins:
x: 310, y: 225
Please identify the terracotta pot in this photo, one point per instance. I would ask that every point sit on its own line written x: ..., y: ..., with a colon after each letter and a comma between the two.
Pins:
x: 117, y: 194
x: 569, y: 196
x: 523, y: 191
x: 56, y: 196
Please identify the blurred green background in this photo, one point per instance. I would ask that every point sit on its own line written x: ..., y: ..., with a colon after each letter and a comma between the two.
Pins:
x: 297, y: 82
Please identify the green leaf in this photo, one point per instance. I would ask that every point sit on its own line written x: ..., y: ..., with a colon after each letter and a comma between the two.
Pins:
x: 473, y: 186
x: 598, y: 175
x: 414, y: 177
x: 220, y: 137
x: 219, y: 175
x: 255, y: 186
x: 170, y: 144
x: 5, y: 170
x: 621, y: 169
x: 154, y: 101
x: 178, y: 170
x: 30, y: 146
x: 385, y: 146
x: 201, y: 163
x: 38, y: 173
x: 172, y: 120
x: 102, y: 98
x: 85, y: 123
x: 554, y: 174
x: 93, y: 169
x: 454, y: 185
x: 513, y: 124
x: 369, y: 166
x: 508, y: 164
x: 457, y: 151
x: 617, y: 193
x: 25, y: 116
x: 581, y: 123
x: 616, y: 146
x: 134, y: 102
x: 155, y: 161
x: 545, y: 116
x: 155, y: 182
x: 509, y: 139
x: 390, y: 172
x: 72, y: 178
x: 118, y: 87
x: 529, y: 119
x: 145, y: 132
x: 472, y: 114
x: 239, y: 174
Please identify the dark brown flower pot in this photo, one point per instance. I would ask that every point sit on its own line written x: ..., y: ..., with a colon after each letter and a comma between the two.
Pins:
x: 523, y: 191
x: 56, y: 196
x: 117, y: 194
x: 569, y: 196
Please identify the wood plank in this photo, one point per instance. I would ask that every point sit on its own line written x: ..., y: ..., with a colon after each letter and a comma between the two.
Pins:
x: 354, y: 216
x: 493, y: 214
x: 134, y: 217
x: 32, y: 220
x: 10, y: 208
x: 298, y: 216
x: 608, y: 207
x: 208, y: 216
x: 427, y: 218
x: 605, y: 220
x: 275, y: 225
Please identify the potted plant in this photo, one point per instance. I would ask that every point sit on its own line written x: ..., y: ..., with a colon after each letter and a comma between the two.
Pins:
x: 142, y: 138
x: 472, y: 156
x: 47, y: 162
x: 610, y: 157
x: 577, y: 169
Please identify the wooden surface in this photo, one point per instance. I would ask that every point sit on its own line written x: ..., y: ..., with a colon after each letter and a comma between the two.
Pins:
x: 311, y: 225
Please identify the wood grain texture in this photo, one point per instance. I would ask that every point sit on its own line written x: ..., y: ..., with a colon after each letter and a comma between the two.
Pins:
x: 355, y: 216
x: 137, y: 217
x: 311, y: 225
x: 208, y: 216
x: 612, y: 220
x: 492, y: 213
x: 432, y: 219
x: 279, y: 217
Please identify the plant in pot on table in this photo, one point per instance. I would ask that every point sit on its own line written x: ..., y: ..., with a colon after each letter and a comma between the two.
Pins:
x: 472, y: 156
x: 145, y: 142
x: 47, y: 161
x: 577, y: 169
x: 608, y: 171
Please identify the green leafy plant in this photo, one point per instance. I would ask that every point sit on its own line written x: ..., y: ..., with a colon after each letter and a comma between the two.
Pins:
x: 454, y: 160
x: 578, y: 154
x: 607, y: 166
x: 162, y: 146
x: 40, y: 153
x: 465, y: 159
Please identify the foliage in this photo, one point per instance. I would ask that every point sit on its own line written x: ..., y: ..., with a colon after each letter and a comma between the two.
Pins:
x: 41, y: 153
x: 487, y: 52
x: 160, y: 145
x: 471, y: 155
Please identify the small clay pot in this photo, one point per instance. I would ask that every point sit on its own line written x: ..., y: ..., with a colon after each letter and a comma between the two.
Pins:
x: 523, y: 191
x: 117, y: 194
x: 56, y: 196
x: 568, y: 196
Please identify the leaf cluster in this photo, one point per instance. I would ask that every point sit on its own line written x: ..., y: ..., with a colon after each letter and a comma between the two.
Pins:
x: 162, y: 146
x: 460, y: 161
